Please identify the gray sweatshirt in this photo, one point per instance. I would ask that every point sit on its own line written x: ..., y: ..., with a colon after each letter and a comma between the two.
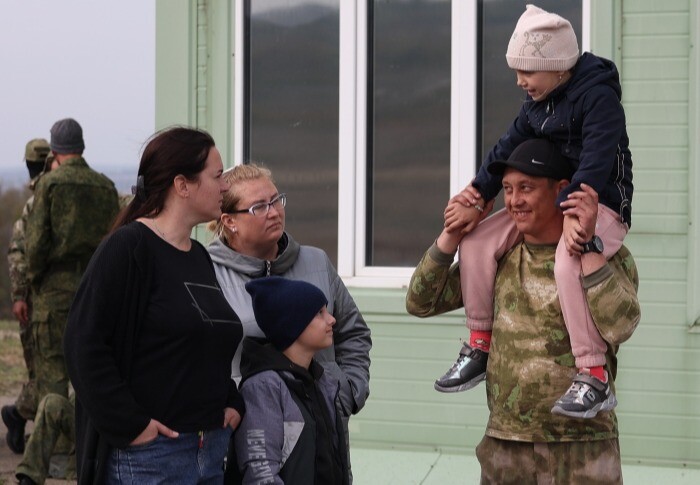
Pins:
x: 348, y: 359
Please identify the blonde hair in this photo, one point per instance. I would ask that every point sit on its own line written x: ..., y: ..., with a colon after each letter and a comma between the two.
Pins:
x: 235, y: 177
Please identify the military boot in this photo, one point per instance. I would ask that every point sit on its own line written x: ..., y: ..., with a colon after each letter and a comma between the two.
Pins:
x: 15, y: 428
x: 25, y: 480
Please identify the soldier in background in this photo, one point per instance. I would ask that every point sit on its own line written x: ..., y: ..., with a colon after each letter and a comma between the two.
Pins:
x: 15, y: 416
x: 74, y: 208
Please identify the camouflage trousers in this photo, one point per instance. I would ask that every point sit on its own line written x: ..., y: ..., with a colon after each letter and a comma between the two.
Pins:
x: 55, y: 418
x: 49, y: 363
x: 573, y: 462
x: 27, y: 400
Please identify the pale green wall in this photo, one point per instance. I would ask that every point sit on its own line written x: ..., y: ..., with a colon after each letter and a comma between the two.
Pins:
x: 175, y: 58
x: 659, y: 381
x: 407, y: 355
x: 659, y: 378
x: 194, y: 68
x: 194, y: 71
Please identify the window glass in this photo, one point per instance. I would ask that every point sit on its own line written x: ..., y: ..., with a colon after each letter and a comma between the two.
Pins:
x: 292, y: 110
x: 408, y: 149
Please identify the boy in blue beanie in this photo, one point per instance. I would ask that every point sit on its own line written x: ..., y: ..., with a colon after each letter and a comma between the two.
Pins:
x: 291, y: 432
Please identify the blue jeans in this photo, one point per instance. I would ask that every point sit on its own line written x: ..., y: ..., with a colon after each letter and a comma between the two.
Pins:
x: 171, y: 460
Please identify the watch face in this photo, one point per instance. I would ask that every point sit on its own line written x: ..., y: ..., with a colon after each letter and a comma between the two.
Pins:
x: 598, y: 243
x: 595, y: 245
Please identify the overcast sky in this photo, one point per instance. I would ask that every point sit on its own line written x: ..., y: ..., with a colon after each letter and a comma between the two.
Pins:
x: 90, y: 60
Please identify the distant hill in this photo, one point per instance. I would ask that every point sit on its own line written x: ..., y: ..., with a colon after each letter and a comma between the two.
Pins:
x: 13, y: 177
x: 122, y: 177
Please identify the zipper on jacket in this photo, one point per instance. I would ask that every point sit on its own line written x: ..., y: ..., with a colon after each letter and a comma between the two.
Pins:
x: 550, y: 111
x: 268, y: 267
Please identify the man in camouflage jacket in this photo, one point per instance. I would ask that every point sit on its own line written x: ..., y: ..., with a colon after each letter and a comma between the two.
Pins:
x: 74, y: 207
x: 530, y: 358
x: 35, y: 156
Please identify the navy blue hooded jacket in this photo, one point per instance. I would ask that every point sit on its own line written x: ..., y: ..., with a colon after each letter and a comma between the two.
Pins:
x: 585, y: 118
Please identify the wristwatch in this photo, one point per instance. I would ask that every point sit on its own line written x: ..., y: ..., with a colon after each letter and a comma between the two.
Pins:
x: 595, y: 245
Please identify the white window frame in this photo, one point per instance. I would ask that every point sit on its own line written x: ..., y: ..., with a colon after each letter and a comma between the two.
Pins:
x: 352, y: 125
x: 238, y: 21
x: 352, y: 192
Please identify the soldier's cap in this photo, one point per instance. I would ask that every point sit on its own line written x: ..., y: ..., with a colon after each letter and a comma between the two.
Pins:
x: 67, y: 136
x: 537, y: 157
x: 36, y: 150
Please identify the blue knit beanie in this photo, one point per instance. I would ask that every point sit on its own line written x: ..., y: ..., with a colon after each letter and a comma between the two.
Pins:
x: 284, y: 308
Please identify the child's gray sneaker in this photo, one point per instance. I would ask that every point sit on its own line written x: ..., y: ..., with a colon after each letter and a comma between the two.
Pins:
x: 468, y: 371
x: 585, y: 398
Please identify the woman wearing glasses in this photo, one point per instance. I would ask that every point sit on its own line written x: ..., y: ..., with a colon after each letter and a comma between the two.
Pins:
x: 150, y: 336
x: 251, y: 243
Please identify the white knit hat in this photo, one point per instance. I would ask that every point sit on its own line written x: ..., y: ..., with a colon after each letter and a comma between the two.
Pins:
x: 542, y: 41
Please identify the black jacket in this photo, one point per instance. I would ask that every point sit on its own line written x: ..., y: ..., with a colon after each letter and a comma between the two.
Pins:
x: 99, y: 344
x: 585, y: 118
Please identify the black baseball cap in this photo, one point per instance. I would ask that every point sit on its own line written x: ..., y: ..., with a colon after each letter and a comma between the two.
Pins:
x: 537, y: 157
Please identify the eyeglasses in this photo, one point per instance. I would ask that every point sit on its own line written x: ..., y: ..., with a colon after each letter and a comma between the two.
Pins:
x: 263, y: 208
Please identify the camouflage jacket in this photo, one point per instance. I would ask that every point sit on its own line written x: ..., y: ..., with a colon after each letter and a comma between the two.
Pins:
x: 530, y: 363
x: 16, y: 258
x: 74, y: 207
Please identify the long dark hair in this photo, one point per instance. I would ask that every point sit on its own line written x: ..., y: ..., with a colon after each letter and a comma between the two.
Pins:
x: 170, y: 152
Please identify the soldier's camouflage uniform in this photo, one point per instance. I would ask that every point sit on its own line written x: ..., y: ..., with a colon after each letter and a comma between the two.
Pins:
x: 19, y: 291
x: 74, y: 208
x: 530, y: 363
x: 56, y: 417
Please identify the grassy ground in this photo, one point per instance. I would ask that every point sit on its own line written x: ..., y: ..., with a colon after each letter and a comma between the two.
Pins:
x: 12, y: 370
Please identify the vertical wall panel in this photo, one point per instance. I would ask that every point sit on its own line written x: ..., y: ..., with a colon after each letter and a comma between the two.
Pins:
x: 659, y: 373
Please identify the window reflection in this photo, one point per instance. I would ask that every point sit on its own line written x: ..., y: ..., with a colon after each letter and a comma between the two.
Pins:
x: 292, y: 112
x: 292, y: 109
x: 408, y: 128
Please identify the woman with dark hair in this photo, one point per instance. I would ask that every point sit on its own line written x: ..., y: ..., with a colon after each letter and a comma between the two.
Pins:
x: 150, y: 336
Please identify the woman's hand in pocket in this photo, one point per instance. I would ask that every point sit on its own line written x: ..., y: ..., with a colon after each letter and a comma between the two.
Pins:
x: 152, y: 431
